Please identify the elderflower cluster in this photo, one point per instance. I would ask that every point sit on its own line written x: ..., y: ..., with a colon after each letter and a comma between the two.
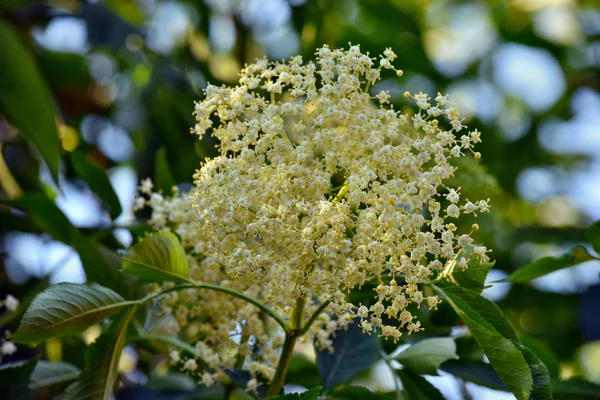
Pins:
x: 319, y: 189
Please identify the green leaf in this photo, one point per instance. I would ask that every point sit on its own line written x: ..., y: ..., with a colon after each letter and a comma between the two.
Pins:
x: 353, y: 352
x: 25, y: 99
x: 575, y: 389
x: 51, y: 374
x: 67, y: 308
x: 546, y: 265
x: 417, y: 388
x: 425, y: 356
x: 592, y: 235
x: 98, y: 380
x: 358, y: 393
x: 159, y: 257
x: 311, y: 394
x: 478, y: 372
x: 541, y: 378
x: 502, y: 353
x: 544, y: 353
x: 14, y: 379
x: 472, y: 277
x: 98, y: 182
x: 163, y: 177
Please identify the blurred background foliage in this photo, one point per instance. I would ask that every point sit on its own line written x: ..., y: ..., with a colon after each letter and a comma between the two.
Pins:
x: 107, y: 92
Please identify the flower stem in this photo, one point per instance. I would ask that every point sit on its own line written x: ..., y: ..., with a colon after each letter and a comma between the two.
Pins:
x: 217, y: 288
x: 292, y: 333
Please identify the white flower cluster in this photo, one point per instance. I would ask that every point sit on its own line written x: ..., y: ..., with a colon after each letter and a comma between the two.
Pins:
x: 319, y: 189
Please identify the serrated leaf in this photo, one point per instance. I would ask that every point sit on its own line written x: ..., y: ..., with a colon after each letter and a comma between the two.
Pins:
x: 417, y: 388
x: 546, y: 265
x: 48, y: 374
x: 14, y: 379
x: 98, y: 182
x: 159, y: 257
x: 505, y: 357
x: 163, y: 177
x: 478, y: 372
x: 592, y: 235
x: 67, y: 308
x: 425, y: 356
x: 97, y: 381
x: 541, y: 389
x: 487, y: 309
x: 472, y: 277
x: 353, y: 352
x: 25, y: 99
x: 311, y: 394
x: 358, y: 393
x: 575, y: 388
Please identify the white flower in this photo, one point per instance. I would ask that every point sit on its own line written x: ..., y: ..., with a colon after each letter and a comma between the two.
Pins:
x: 8, y: 348
x: 174, y: 356
x: 146, y: 186
x: 11, y: 303
x: 190, y: 365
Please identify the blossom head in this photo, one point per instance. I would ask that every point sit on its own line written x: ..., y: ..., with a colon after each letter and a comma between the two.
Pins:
x: 319, y: 189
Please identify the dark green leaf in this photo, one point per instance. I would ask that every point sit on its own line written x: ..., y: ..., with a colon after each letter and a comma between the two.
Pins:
x: 98, y: 182
x: 52, y: 374
x: 474, y: 371
x: 417, y: 388
x: 575, y: 389
x: 425, y: 356
x: 172, y: 381
x: 541, y: 379
x: 67, y: 308
x: 358, y: 393
x: 25, y: 99
x: 544, y: 353
x: 592, y: 235
x: 163, y: 177
x: 311, y: 394
x: 159, y: 257
x: 546, y: 265
x: 503, y: 354
x: 14, y: 379
x: 98, y: 380
x: 353, y: 352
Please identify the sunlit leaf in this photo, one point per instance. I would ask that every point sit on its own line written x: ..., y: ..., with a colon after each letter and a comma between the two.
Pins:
x: 67, y: 308
x: 159, y: 257
x: 425, y: 356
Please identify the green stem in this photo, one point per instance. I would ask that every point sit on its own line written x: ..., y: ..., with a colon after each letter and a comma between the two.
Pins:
x: 316, y: 314
x: 292, y: 333
x: 216, y: 288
